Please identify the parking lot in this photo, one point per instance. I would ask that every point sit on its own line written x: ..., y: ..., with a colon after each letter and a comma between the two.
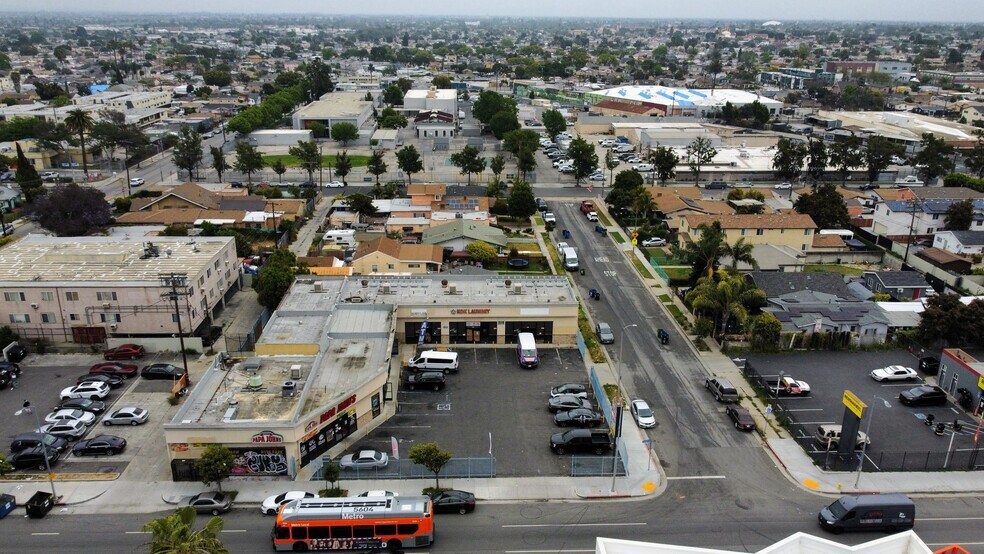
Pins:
x: 490, y: 394
x: 44, y: 377
x: 898, y: 433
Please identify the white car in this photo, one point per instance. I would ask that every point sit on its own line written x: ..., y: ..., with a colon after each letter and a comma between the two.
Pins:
x: 592, y: 216
x: 643, y: 415
x: 894, y: 373
x: 50, y: 175
x: 741, y: 185
x: 654, y: 241
x: 335, y: 184
x: 69, y: 429
x: 136, y: 182
x: 90, y: 389
x: 549, y: 217
x: 127, y: 416
x: 561, y: 246
x: 87, y: 418
x: 272, y: 504
x: 643, y: 167
x: 633, y: 160
x: 379, y: 493
x: 596, y: 177
x: 783, y: 186
x: 624, y: 148
x: 365, y: 459
x: 898, y: 161
x: 792, y: 387
x: 606, y: 143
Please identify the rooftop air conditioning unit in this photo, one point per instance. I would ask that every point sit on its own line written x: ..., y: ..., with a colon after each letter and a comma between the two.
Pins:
x: 318, y: 287
x: 385, y: 288
x: 519, y: 288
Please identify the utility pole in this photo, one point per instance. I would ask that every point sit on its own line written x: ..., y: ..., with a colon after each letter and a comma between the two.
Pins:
x: 912, y: 222
x: 178, y: 283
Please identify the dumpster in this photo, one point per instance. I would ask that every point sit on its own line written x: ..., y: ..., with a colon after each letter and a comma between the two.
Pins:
x: 40, y: 504
x: 7, y: 505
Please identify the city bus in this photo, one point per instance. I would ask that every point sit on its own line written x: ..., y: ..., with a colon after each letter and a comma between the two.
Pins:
x: 354, y: 523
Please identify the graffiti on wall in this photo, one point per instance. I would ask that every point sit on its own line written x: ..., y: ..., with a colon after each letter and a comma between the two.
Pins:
x: 259, y: 461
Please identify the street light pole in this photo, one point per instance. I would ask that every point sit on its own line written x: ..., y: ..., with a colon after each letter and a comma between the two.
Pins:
x: 44, y: 447
x: 867, y: 434
x: 618, y: 401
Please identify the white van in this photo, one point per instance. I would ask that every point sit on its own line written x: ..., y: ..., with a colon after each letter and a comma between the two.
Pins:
x: 570, y: 259
x: 435, y: 360
x: 341, y: 237
x: 526, y: 349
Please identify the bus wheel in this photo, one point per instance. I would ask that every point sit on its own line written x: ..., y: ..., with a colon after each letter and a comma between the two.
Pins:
x: 300, y: 547
x: 394, y: 545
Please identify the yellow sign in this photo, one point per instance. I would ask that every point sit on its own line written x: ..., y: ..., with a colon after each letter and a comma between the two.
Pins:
x: 980, y: 382
x: 854, y: 403
x: 634, y: 242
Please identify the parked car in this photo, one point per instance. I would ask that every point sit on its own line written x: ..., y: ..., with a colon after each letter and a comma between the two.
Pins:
x: 162, y: 371
x: 570, y: 389
x: 364, y: 459
x: 33, y: 458
x: 722, y: 389
x: 125, y: 352
x: 581, y: 440
x: 783, y: 186
x: 334, y: 184
x: 137, y: 181
x: 94, y: 406
x: 787, y: 386
x: 741, y: 417
x: 378, y: 493
x: 869, y: 186
x: 129, y: 415
x: 549, y: 217
x: 642, y: 167
x: 50, y: 175
x: 89, y: 389
x: 106, y: 445
x: 453, y: 501
x: 578, y: 417
x: 272, y: 504
x: 567, y: 402
x: 211, y: 502
x: 828, y: 436
x: 894, y: 373
x: 592, y: 216
x: 654, y: 241
x: 925, y: 395
x: 643, y: 414
x: 596, y: 177
x: 87, y: 418
x: 32, y: 439
x: 114, y: 368
x: 605, y: 334
x: 716, y: 185
x: 113, y: 381
x: 70, y: 429
x: 425, y: 379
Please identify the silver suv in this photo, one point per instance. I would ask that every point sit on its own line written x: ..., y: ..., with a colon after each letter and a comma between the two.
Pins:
x: 722, y: 389
x: 829, y: 437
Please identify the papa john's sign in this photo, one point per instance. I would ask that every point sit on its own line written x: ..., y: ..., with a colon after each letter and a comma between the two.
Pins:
x: 266, y: 437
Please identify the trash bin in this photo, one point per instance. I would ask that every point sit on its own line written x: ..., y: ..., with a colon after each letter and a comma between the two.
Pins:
x: 7, y: 505
x: 40, y: 504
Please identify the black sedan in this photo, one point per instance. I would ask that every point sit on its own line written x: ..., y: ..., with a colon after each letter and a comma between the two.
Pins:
x: 101, y: 445
x: 162, y: 371
x: 113, y: 381
x: 578, y: 417
x: 33, y: 458
x: 923, y: 396
x: 453, y: 501
x: 86, y: 404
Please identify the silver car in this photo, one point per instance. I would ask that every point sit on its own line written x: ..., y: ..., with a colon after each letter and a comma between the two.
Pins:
x: 643, y: 415
x: 126, y: 416
x: 70, y: 429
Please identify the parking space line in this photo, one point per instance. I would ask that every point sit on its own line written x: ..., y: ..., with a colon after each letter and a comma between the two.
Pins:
x: 806, y: 410
x: 611, y: 524
x: 44, y: 534
x: 687, y: 477
x: 815, y: 422
x: 233, y: 530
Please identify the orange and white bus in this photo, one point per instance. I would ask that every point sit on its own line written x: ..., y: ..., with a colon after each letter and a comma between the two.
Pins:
x: 354, y: 523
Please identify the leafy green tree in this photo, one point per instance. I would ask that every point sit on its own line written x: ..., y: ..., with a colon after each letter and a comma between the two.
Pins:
x: 330, y: 472
x: 80, y: 122
x: 714, y: 66
x: 409, y: 161
x: 584, y: 157
x: 816, y: 151
x: 935, y: 159
x: 308, y: 154
x: 974, y: 159
x: 522, y: 204
x: 391, y: 119
x: 554, y: 123
x: 960, y: 215
x: 490, y: 103
x: 318, y: 79
x: 703, y: 327
x: 27, y: 178
x: 699, y: 153
x: 846, y: 155
x: 215, y: 463
x: 442, y: 82
x: 217, y: 78
x: 248, y: 160
x: 469, y: 160
x: 481, y: 251
x: 766, y: 330
x: 344, y: 132
x: 624, y: 190
x: 275, y: 278
x: 642, y: 202
x: 877, y: 156
x: 725, y: 297
x: 825, y: 206
x: 493, y: 189
x: 503, y: 122
x: 788, y: 160
x: 525, y: 163
x: 497, y: 164
x: 219, y: 162
x: 343, y: 165
x: 702, y: 254
x: 376, y: 165
x: 393, y: 95
x: 664, y: 161
x: 362, y: 205
x: 318, y: 129
x: 188, y: 150
x: 70, y: 210
x: 174, y: 534
x: 279, y: 168
x: 520, y: 142
x: 431, y: 456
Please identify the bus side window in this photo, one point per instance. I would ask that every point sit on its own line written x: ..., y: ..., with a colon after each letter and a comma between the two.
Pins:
x: 385, y: 530
x: 320, y: 532
x: 407, y: 528
x: 283, y: 532
x: 298, y: 532
x: 362, y: 531
x: 341, y: 532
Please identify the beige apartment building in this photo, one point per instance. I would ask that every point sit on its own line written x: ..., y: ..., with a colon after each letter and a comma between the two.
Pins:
x: 786, y: 229
x: 88, y: 289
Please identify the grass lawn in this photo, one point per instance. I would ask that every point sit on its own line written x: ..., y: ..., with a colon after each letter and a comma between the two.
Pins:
x: 677, y: 272
x: 617, y: 237
x: 665, y: 298
x: 641, y: 268
x: 291, y: 161
x: 604, y: 220
x: 842, y: 269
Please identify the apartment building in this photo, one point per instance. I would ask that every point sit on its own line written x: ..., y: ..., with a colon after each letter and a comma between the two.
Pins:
x: 787, y: 229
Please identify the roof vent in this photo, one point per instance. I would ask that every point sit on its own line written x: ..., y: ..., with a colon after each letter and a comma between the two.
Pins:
x: 452, y: 289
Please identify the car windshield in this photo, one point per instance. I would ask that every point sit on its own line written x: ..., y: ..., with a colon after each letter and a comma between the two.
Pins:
x: 837, y: 509
x: 219, y: 497
x: 49, y: 440
x: 645, y: 412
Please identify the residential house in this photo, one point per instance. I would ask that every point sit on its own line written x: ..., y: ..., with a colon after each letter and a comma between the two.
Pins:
x: 459, y: 234
x: 960, y: 242
x: 672, y: 203
x: 192, y: 204
x: 945, y: 260
x: 386, y: 255
x: 787, y: 229
x: 900, y: 285
x: 899, y: 219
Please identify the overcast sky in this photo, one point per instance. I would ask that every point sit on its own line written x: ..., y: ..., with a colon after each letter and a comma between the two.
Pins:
x: 963, y: 11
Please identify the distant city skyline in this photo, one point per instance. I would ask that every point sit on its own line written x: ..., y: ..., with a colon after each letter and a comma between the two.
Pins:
x: 957, y: 11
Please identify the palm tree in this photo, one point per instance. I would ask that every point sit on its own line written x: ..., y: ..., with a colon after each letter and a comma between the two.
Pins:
x: 79, y: 121
x: 725, y: 296
x: 173, y: 534
x: 740, y: 251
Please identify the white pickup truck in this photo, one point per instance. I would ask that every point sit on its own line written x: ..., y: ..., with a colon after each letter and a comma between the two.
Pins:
x: 909, y: 181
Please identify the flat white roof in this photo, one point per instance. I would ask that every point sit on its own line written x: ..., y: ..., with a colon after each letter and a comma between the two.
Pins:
x: 684, y: 98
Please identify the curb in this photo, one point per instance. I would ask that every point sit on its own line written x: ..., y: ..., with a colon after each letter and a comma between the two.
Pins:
x: 81, y: 501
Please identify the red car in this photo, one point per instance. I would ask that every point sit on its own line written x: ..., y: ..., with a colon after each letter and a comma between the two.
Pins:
x: 114, y: 368
x: 124, y: 352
